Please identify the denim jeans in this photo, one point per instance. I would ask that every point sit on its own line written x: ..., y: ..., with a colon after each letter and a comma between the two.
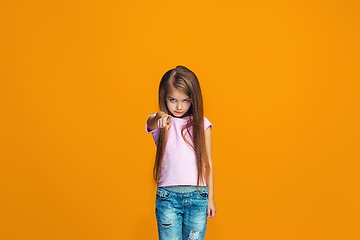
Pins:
x: 181, y: 214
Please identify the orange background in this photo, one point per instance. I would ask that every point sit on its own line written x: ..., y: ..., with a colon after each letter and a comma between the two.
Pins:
x: 280, y: 82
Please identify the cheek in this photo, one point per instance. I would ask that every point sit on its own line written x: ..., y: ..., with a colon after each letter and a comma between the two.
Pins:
x: 167, y: 104
x: 170, y: 104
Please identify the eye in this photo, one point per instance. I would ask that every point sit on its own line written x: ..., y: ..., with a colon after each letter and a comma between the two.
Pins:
x: 171, y: 100
x: 186, y: 100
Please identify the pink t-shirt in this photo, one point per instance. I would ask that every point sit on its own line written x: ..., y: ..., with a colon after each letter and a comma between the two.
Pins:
x: 179, y: 162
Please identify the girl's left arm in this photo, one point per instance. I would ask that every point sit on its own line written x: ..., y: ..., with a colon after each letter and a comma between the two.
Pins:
x: 211, y: 210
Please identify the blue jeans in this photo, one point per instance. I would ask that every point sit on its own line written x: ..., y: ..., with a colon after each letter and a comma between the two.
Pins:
x: 181, y: 214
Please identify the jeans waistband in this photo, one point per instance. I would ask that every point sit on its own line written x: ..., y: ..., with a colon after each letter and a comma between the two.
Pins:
x: 182, y: 189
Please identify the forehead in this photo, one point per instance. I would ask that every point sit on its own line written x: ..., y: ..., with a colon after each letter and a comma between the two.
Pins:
x: 175, y: 93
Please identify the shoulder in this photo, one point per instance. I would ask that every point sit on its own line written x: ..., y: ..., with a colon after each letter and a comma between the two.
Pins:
x: 206, y: 119
x: 207, y: 123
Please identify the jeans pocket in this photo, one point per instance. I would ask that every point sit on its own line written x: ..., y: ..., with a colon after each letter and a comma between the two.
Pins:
x: 203, y: 193
x: 162, y: 194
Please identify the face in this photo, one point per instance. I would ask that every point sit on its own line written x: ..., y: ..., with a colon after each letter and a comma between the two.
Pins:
x: 177, y: 102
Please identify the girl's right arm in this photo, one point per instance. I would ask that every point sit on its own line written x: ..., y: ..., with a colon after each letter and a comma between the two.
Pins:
x: 160, y: 120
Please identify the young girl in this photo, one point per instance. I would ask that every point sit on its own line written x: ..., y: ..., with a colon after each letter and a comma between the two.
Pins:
x: 183, y: 167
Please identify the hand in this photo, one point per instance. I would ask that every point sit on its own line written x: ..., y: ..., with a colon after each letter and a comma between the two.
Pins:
x: 211, y: 209
x: 165, y: 120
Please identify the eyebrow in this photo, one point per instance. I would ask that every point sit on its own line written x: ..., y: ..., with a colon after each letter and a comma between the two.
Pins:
x: 175, y: 98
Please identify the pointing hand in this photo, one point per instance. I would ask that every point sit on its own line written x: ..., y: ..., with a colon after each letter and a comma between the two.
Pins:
x: 165, y: 121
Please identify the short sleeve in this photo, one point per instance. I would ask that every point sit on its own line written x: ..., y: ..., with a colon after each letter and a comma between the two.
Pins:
x: 146, y: 126
x: 155, y: 133
x: 207, y: 123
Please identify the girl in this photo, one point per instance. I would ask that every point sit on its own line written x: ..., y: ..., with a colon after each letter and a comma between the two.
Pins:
x: 183, y: 167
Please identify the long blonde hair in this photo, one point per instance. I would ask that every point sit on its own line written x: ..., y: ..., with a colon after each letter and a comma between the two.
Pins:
x: 186, y: 81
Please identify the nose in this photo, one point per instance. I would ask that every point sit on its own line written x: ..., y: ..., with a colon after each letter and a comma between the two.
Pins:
x: 178, y: 106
